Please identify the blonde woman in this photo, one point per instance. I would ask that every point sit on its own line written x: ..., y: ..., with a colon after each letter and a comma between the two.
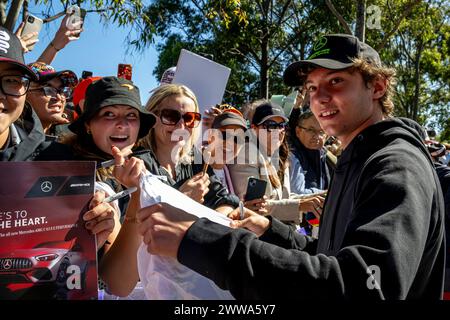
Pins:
x: 172, y: 142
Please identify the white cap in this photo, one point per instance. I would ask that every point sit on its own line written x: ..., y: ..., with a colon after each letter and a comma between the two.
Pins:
x: 168, y: 76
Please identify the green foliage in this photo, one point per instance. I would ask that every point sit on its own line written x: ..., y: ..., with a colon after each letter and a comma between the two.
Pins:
x: 258, y: 39
x: 419, y: 50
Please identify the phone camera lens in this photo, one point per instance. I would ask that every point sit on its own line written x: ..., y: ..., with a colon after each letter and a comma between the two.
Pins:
x: 30, y: 19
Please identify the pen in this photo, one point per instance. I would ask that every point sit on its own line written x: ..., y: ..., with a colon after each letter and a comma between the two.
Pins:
x: 109, y: 163
x: 241, y: 210
x: 205, y: 165
x: 120, y: 194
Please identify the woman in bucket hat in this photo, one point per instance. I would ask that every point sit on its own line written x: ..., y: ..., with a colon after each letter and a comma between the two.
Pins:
x: 112, y: 116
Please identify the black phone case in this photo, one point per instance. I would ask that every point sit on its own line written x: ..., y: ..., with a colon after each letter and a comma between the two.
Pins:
x: 256, y: 189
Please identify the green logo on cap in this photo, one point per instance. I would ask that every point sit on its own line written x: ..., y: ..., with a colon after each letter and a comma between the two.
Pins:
x: 320, y: 43
x: 318, y: 49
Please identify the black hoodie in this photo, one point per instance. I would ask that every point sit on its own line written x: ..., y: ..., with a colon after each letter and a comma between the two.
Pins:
x: 384, y: 212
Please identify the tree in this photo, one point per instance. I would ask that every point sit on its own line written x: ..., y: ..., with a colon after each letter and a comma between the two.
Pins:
x: 122, y: 12
x: 255, y: 38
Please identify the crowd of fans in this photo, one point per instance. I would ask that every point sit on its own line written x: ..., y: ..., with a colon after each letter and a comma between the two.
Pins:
x: 324, y: 193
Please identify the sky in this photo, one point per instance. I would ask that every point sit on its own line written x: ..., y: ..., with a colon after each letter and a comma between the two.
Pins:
x: 99, y: 49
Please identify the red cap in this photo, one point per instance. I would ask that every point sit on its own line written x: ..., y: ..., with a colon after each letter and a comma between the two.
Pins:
x: 79, y: 92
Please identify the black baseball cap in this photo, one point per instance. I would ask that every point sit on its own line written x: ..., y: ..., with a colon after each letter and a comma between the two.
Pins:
x: 334, y: 51
x: 109, y: 91
x: 266, y: 111
x: 11, y: 52
x: 228, y: 118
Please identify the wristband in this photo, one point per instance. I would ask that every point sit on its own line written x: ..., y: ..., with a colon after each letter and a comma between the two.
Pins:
x: 53, y: 46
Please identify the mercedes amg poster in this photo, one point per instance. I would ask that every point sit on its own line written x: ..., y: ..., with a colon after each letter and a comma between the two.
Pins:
x: 45, y: 251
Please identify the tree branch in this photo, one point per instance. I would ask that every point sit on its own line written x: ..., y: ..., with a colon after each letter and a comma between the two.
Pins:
x: 13, y: 14
x: 238, y: 52
x: 3, y: 12
x: 339, y: 17
x: 406, y: 12
x: 253, y: 53
x: 290, y: 42
x: 283, y: 11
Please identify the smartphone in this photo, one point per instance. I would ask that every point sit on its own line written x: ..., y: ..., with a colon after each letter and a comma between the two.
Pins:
x: 124, y: 71
x: 256, y: 189
x: 311, y: 219
x: 76, y: 19
x: 32, y: 24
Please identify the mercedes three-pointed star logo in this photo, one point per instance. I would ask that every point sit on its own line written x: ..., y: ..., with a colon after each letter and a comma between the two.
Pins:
x: 7, y: 264
x: 46, y: 186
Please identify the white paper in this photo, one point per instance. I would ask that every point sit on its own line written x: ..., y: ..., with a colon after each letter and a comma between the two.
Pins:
x: 154, y: 191
x: 163, y: 277
x: 206, y: 78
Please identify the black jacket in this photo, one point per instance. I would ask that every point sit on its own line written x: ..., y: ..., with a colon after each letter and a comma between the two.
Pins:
x: 27, y: 142
x: 443, y: 173
x: 25, y: 138
x: 384, y: 210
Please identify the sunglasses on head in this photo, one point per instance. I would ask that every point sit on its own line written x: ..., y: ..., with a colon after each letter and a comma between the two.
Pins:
x: 228, y: 108
x: 272, y: 125
x: 171, y: 117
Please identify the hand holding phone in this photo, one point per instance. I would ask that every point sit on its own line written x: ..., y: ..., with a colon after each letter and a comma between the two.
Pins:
x: 124, y: 71
x: 256, y: 189
x: 75, y: 20
x: 32, y: 24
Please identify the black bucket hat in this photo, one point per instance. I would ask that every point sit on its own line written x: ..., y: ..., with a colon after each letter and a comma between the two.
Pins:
x: 335, y: 52
x: 109, y: 91
x: 11, y: 52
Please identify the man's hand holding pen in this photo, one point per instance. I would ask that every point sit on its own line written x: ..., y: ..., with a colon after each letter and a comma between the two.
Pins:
x: 245, y: 218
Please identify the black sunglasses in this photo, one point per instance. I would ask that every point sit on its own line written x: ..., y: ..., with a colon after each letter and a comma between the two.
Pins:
x: 171, y: 117
x: 272, y: 125
x: 51, y: 92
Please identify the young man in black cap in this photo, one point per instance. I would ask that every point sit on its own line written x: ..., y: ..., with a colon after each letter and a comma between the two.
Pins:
x: 382, y: 228
x: 19, y: 138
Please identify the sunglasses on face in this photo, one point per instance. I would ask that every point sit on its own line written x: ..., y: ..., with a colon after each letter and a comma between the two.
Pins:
x: 51, y: 92
x: 313, y: 131
x: 273, y: 125
x: 14, y: 85
x: 171, y: 117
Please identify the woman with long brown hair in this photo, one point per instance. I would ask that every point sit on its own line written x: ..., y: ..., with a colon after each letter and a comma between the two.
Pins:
x: 267, y: 159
